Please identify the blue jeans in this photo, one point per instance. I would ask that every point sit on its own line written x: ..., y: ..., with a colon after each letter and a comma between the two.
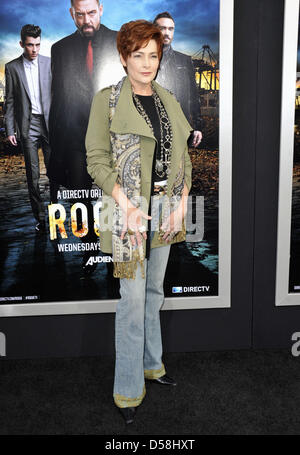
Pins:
x: 137, y: 330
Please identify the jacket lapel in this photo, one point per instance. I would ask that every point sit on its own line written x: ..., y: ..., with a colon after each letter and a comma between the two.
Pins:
x: 174, y: 111
x: 180, y: 127
x: 41, y: 76
x: 127, y: 119
x: 20, y: 69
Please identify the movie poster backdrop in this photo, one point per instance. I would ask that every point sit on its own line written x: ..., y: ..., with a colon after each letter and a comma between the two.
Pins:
x: 294, y: 278
x: 288, y: 241
x: 48, y: 267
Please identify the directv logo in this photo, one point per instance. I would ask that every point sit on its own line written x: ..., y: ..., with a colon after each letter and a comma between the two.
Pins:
x: 184, y: 289
x: 177, y: 289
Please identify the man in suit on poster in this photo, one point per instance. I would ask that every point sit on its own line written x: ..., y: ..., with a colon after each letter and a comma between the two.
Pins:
x: 28, y: 94
x: 177, y: 74
x: 82, y: 63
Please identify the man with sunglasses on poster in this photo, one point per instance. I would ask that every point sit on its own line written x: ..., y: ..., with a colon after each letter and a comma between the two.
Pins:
x: 176, y: 73
x: 82, y: 63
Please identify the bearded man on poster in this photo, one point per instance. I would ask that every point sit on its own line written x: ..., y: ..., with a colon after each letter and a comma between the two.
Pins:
x: 82, y: 63
x: 176, y: 73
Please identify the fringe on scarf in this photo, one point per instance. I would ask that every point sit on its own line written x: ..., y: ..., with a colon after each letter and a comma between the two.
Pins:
x: 128, y: 269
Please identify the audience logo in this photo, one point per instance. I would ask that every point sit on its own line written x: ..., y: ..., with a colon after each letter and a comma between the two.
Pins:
x: 296, y: 345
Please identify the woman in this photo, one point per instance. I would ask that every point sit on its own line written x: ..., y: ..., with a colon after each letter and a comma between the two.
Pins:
x: 137, y: 153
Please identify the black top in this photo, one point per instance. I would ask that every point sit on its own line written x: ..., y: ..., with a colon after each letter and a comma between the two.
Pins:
x: 149, y: 106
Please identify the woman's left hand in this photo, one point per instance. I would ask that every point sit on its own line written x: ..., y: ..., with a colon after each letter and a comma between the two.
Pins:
x: 197, y: 138
x: 173, y: 223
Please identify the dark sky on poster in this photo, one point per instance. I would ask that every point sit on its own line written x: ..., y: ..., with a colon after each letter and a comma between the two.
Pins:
x: 298, y: 54
x: 197, y: 22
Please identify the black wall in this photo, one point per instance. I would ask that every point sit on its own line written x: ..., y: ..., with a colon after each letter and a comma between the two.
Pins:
x: 272, y: 326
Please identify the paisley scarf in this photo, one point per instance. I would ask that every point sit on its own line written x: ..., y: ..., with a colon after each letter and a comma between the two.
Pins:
x: 126, y: 150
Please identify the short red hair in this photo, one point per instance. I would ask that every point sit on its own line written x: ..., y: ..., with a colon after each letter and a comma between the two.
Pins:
x: 136, y: 34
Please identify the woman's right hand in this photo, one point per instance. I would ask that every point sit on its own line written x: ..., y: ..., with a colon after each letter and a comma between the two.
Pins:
x: 132, y: 217
x: 134, y: 225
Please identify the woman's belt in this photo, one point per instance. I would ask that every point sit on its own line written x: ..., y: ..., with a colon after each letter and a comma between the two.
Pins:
x: 160, y: 188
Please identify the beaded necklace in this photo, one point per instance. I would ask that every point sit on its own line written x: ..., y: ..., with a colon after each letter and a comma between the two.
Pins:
x: 166, y: 134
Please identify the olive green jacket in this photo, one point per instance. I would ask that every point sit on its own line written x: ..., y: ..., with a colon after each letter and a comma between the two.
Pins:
x: 127, y: 120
